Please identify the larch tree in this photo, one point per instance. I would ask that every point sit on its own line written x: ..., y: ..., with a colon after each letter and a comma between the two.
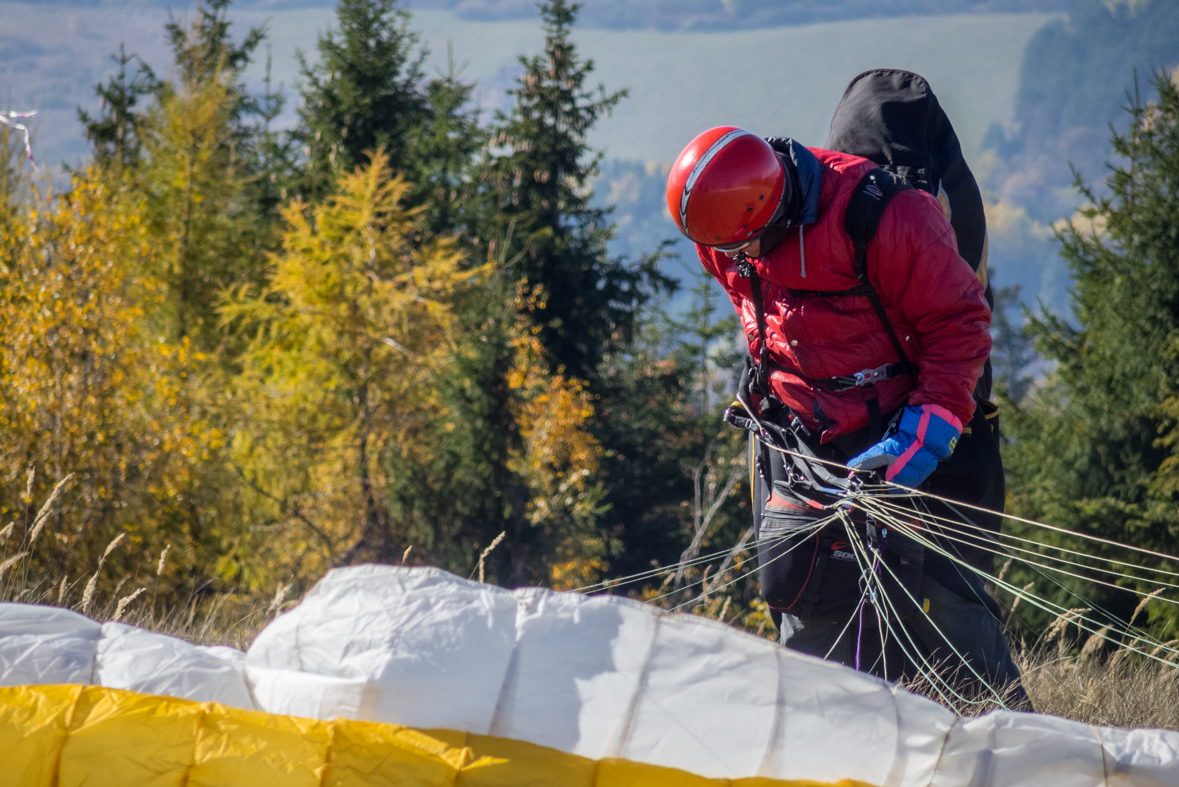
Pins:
x: 344, y: 346
x: 196, y: 173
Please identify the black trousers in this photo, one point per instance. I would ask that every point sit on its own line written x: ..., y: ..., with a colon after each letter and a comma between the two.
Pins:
x: 953, y: 624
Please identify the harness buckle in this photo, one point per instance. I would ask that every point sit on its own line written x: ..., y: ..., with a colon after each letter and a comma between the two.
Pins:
x: 872, y: 376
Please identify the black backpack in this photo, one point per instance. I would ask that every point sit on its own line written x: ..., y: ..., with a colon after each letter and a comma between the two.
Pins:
x: 892, y: 118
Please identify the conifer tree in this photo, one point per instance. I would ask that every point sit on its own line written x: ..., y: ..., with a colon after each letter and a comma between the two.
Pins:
x: 116, y: 132
x: 658, y: 419
x: 587, y: 301
x: 1096, y: 445
x: 202, y: 174
x: 514, y: 454
x: 366, y: 92
x: 443, y: 153
x: 1012, y: 351
x: 204, y: 51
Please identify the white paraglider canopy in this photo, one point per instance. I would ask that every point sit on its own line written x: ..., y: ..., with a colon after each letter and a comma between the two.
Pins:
x: 594, y: 676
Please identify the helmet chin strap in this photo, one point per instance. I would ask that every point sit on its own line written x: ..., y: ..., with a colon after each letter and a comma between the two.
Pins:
x: 744, y: 266
x: 773, y: 234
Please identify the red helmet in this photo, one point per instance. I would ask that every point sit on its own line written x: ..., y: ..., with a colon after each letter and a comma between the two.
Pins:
x: 725, y: 187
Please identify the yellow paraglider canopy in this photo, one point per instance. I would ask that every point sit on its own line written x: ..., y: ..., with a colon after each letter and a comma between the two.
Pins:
x: 54, y: 736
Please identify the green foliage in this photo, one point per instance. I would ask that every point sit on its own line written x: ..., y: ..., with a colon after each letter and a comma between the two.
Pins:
x: 366, y: 92
x: 540, y: 186
x: 1096, y: 449
x: 196, y: 187
x: 444, y: 155
x: 116, y: 133
x: 668, y: 451
x: 204, y: 171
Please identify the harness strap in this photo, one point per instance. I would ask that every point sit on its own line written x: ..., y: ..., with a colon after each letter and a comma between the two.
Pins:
x: 763, y: 373
x: 875, y: 419
x: 864, y: 379
x: 867, y: 204
x: 761, y: 376
x: 804, y: 460
x: 874, y: 299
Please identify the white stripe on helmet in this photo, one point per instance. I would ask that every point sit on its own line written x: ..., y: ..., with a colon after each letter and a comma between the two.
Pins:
x: 701, y: 164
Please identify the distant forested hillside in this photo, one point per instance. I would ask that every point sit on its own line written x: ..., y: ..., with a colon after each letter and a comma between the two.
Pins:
x: 722, y: 15
x: 1073, y: 84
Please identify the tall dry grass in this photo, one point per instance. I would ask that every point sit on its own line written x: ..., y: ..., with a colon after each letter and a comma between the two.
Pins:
x: 206, y: 619
x: 1119, y: 691
x: 1129, y: 691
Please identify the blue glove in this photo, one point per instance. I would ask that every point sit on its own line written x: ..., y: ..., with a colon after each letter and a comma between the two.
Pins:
x: 924, y: 436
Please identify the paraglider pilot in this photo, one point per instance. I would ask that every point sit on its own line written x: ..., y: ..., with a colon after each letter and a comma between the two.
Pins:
x: 868, y: 336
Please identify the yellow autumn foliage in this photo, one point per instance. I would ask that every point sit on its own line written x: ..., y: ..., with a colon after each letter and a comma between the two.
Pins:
x: 268, y: 463
x: 558, y: 459
x: 343, y: 348
x: 84, y: 389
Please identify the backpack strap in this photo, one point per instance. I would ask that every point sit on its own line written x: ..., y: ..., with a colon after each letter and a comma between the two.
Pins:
x: 761, y: 371
x: 867, y: 204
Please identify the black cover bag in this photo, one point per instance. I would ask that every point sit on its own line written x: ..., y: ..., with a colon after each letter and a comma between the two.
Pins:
x: 892, y: 118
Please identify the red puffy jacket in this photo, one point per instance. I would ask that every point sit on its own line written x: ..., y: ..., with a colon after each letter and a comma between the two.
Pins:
x: 933, y: 299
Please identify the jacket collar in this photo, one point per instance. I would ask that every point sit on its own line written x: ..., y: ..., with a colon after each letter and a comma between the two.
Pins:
x: 810, y: 182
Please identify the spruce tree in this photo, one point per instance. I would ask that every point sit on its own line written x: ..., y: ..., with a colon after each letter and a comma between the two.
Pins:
x: 1096, y: 444
x: 1012, y: 350
x: 586, y: 302
x: 366, y: 92
x: 444, y: 150
x: 116, y: 131
x: 660, y: 421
